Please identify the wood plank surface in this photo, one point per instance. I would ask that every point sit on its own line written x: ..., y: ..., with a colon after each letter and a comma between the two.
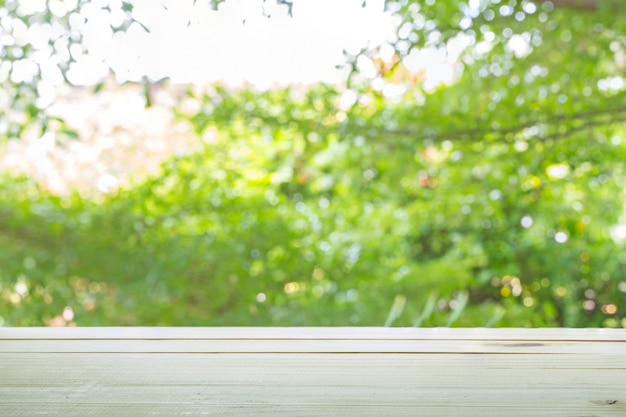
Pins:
x: 289, y: 333
x: 311, y: 372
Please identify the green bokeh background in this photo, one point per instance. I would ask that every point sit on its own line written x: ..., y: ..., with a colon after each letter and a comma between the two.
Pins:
x: 493, y: 201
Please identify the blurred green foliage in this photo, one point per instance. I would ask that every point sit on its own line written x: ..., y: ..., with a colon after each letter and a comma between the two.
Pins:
x: 494, y: 201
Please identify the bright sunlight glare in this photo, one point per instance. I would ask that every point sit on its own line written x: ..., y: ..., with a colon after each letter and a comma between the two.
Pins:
x: 242, y: 41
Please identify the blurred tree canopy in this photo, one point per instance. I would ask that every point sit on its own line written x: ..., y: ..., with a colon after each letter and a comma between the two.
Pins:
x: 485, y: 190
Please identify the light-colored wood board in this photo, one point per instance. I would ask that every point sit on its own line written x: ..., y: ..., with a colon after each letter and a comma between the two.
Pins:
x: 573, y: 399
x: 316, y: 346
x: 312, y: 372
x: 367, y: 370
x: 311, y: 384
x: 341, y: 333
x: 448, y: 409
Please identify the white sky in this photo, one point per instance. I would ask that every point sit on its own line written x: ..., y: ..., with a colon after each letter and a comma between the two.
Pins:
x: 192, y: 43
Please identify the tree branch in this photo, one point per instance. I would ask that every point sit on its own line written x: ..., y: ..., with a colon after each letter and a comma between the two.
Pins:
x: 577, y: 122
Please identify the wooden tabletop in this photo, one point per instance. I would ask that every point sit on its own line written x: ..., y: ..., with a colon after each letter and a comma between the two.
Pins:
x: 311, y: 372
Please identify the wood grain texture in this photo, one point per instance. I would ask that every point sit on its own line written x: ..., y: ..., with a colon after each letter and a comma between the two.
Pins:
x: 311, y: 372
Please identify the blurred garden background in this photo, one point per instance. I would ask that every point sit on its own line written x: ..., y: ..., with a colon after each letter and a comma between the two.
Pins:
x: 250, y: 162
